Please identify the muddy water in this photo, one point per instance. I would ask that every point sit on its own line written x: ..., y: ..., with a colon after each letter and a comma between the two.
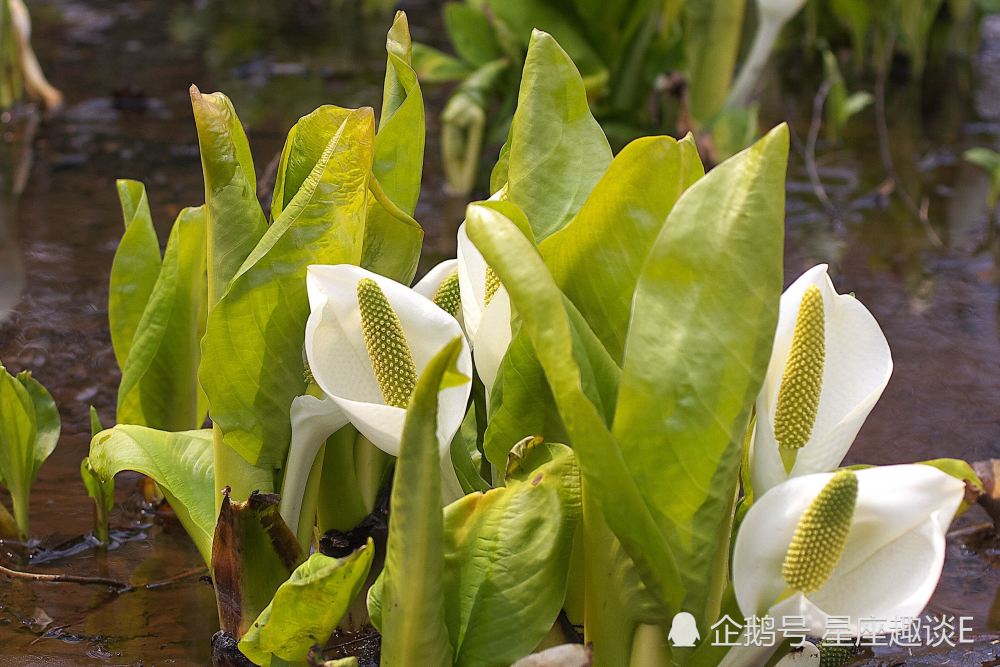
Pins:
x: 126, y: 67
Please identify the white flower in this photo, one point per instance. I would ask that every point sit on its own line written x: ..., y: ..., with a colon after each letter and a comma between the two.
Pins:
x: 368, y: 339
x: 441, y: 286
x: 829, y: 365
x: 856, y: 544
x: 485, y: 309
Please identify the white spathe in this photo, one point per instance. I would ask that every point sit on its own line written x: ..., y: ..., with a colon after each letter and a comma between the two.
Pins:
x: 487, y: 324
x: 429, y: 284
x: 338, y: 359
x: 891, y: 561
x: 856, y: 369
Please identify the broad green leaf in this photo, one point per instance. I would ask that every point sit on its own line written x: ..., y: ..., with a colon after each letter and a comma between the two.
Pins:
x: 521, y: 403
x: 557, y: 152
x: 134, y: 268
x: 434, y: 66
x: 596, y: 258
x: 18, y: 435
x: 712, y: 31
x: 543, y: 311
x: 465, y: 455
x: 524, y: 405
x: 235, y: 220
x: 47, y: 422
x: 507, y: 561
x: 470, y: 33
x: 307, y: 608
x: 705, y: 310
x: 392, y: 245
x: 409, y: 606
x: 252, y: 350
x: 180, y: 464
x: 253, y: 553
x: 304, y: 147
x: 159, y: 386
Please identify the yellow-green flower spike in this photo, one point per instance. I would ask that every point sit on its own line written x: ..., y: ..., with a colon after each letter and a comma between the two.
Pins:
x: 492, y: 283
x: 798, y: 396
x: 836, y: 655
x: 392, y: 361
x: 821, y: 534
x: 447, y: 296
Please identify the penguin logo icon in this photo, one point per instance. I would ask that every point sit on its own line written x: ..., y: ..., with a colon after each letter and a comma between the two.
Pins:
x: 683, y: 630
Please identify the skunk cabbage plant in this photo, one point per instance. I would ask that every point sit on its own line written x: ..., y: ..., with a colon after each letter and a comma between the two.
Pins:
x: 567, y: 408
x: 829, y: 365
x: 20, y: 71
x: 29, y: 431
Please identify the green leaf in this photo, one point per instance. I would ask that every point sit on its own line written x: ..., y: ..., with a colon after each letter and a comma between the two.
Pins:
x: 180, y: 464
x: 304, y: 147
x: 464, y: 122
x: 409, y: 606
x: 508, y: 553
x: 856, y: 16
x: 307, y: 608
x: 465, y: 455
x: 159, y: 386
x: 17, y: 442
x: 470, y: 33
x: 596, y: 258
x: 705, y: 310
x: 235, y: 220
x: 251, y: 372
x: 47, y: 422
x: 392, y: 245
x: 520, y: 17
x: 557, y: 151
x: 134, y: 268
x: 434, y: 66
x: 712, y: 30
x: 253, y: 553
x: 989, y: 160
x: 102, y: 492
x: 521, y: 403
x: 95, y: 422
x: 543, y: 311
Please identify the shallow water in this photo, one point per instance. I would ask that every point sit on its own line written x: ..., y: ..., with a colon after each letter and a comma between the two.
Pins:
x: 126, y: 68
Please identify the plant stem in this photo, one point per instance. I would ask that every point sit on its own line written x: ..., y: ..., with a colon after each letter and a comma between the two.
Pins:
x: 607, y: 624
x: 753, y: 67
x: 310, y: 501
x: 20, y: 503
x: 649, y: 646
x: 232, y: 470
x: 340, y: 499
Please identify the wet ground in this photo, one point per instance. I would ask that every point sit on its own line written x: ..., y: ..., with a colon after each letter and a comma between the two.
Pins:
x: 126, y: 68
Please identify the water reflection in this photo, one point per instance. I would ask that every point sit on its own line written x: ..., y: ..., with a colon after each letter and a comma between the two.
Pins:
x: 17, y: 134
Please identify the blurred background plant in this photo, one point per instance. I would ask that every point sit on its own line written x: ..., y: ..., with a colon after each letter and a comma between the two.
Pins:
x: 20, y: 72
x: 668, y: 66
